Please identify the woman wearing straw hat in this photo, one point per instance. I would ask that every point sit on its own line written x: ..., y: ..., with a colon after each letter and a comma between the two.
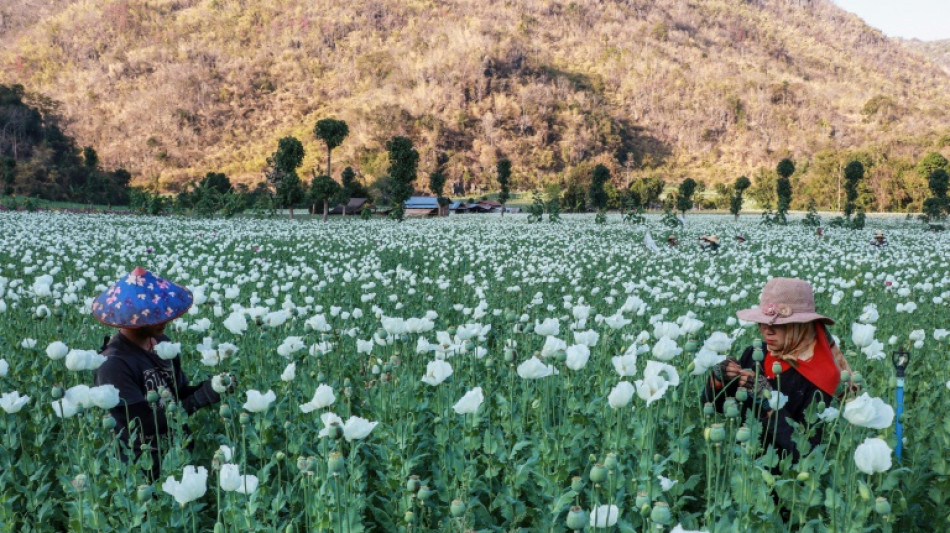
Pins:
x: 141, y: 305
x: 879, y: 241
x: 709, y: 242
x: 800, y: 361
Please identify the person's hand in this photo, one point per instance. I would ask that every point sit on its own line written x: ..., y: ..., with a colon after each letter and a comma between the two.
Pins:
x: 733, y: 371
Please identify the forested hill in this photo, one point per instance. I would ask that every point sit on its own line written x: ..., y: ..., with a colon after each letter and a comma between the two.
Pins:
x: 936, y: 51
x: 704, y: 88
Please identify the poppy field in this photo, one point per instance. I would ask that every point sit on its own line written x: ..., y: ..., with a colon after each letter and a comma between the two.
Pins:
x: 469, y: 374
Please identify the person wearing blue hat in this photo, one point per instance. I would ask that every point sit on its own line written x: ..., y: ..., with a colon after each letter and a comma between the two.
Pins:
x: 140, y: 305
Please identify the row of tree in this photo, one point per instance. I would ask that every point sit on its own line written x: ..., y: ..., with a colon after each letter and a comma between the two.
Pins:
x: 38, y: 160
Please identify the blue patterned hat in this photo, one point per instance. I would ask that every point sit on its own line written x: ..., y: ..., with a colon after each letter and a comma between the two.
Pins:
x: 141, y: 299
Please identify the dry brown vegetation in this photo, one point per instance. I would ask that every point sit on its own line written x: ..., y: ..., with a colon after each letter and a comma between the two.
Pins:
x: 706, y: 88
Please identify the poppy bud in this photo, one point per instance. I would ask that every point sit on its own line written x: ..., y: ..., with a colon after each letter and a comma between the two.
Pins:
x: 598, y: 473
x: 335, y: 463
x: 280, y: 456
x: 864, y: 491
x: 660, y: 513
x: 576, y: 518
x: 509, y: 355
x: 857, y: 378
x: 882, y: 506
x: 803, y: 476
x: 144, y: 493
x: 412, y: 485
x: 57, y: 392
x: 218, y: 527
x: 79, y: 482
x: 845, y: 376
x: 457, y: 508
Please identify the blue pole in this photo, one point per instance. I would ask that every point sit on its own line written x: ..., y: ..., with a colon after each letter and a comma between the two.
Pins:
x: 898, y: 426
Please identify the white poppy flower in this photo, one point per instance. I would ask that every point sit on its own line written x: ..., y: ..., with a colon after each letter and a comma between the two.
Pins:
x: 357, y: 428
x: 470, y: 402
x: 869, y: 412
x: 193, y: 485
x: 873, y: 456
x: 257, y: 402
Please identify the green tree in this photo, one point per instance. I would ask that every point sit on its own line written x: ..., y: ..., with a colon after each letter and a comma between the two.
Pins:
x: 90, y: 158
x: 217, y: 181
x: 930, y: 163
x: 437, y: 186
x: 323, y: 190
x: 597, y: 192
x: 936, y: 207
x: 739, y: 188
x: 332, y: 132
x: 783, y: 189
x: 650, y: 189
x: 684, y: 197
x: 403, y: 160
x: 8, y: 173
x: 812, y: 218
x: 853, y: 174
x: 503, y: 170
x: 282, y: 172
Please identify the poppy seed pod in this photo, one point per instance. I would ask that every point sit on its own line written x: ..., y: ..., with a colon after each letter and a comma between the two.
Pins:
x: 598, y: 473
x: 743, y: 434
x: 642, y: 500
x: 108, y: 422
x: 424, y: 493
x: 409, y: 517
x: 457, y: 508
x: 691, y: 346
x: 244, y: 418
x: 708, y: 409
x: 57, y: 392
x: 151, y: 396
x: 576, y: 518
x: 660, y: 513
x: 882, y: 506
x: 577, y: 483
x: 611, y: 461
x: 757, y: 355
x: 335, y: 462
x: 776, y: 368
x: 717, y: 433
x: 412, y: 484
x: 224, y: 411
x: 303, y: 464
x: 742, y: 395
x: 280, y: 456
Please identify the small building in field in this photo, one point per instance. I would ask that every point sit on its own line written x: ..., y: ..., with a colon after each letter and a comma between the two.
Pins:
x: 421, y: 206
x: 458, y: 208
x: 353, y: 207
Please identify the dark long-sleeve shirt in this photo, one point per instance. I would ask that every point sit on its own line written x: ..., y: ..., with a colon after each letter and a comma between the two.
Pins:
x: 777, y: 431
x: 135, y: 372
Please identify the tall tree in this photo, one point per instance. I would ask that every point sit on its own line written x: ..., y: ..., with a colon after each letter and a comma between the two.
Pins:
x: 282, y: 172
x: 503, y: 170
x: 853, y: 174
x: 783, y: 189
x: 8, y: 173
x: 735, y: 203
x: 597, y: 193
x: 331, y: 132
x: 403, y: 161
x: 437, y: 186
x: 323, y: 190
x: 938, y: 205
x: 217, y: 181
x: 684, y: 199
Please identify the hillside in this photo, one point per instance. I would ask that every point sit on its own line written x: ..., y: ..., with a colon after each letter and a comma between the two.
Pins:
x: 171, y: 89
x: 936, y: 51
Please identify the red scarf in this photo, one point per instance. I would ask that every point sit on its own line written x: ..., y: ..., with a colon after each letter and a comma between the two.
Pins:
x: 820, y: 370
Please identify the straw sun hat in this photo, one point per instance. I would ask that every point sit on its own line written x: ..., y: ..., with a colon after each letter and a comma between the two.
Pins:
x: 785, y: 301
x: 710, y: 238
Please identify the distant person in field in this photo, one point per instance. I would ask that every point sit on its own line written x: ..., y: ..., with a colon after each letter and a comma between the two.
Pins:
x: 141, y: 305
x: 820, y: 232
x: 709, y: 243
x: 799, y: 347
x: 879, y: 241
x: 740, y: 238
x: 672, y: 240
